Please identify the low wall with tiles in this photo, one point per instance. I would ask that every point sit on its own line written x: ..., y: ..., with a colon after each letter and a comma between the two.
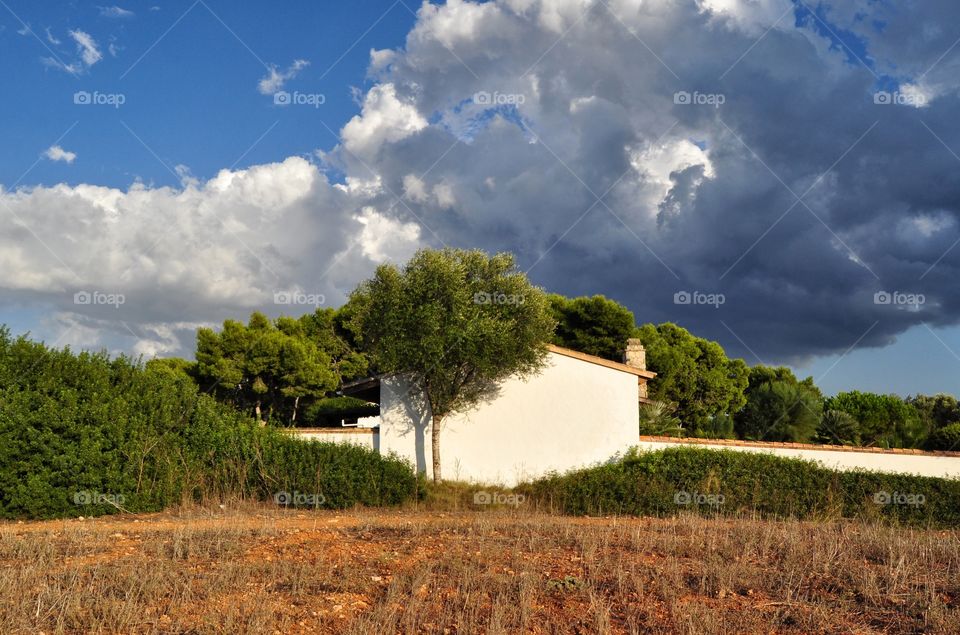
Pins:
x: 940, y: 464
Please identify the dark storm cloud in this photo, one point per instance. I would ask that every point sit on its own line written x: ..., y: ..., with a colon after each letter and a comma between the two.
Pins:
x: 809, y: 197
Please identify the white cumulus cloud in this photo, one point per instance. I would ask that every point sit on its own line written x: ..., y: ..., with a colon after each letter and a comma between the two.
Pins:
x: 385, y: 117
x: 56, y: 153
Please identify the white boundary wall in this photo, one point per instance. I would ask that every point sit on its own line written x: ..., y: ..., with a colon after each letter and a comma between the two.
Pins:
x: 922, y: 464
x: 572, y: 414
x: 364, y: 437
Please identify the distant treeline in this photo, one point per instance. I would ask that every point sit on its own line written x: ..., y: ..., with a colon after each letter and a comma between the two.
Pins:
x: 285, y: 372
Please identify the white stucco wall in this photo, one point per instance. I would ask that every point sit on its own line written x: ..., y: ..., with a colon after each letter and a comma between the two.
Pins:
x: 364, y: 437
x: 922, y: 464
x: 572, y: 414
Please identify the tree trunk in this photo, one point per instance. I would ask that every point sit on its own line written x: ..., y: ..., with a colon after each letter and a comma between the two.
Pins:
x: 296, y: 402
x: 435, y: 446
x: 257, y: 410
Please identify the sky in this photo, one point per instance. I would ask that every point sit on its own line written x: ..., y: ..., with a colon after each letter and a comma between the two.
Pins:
x: 776, y: 175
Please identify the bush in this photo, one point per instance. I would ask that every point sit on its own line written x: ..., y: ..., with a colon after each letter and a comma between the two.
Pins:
x: 728, y: 482
x: 946, y: 438
x: 81, y: 434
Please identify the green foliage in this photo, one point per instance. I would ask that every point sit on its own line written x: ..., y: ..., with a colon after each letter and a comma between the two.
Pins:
x: 719, y: 426
x: 838, y: 428
x: 265, y: 367
x: 779, y: 407
x: 175, y: 367
x: 697, y: 375
x: 658, y: 419
x: 936, y: 411
x: 883, y: 420
x: 946, y: 438
x: 86, y: 435
x: 456, y: 323
x: 714, y: 482
x: 252, y: 461
x: 593, y: 325
x: 328, y: 329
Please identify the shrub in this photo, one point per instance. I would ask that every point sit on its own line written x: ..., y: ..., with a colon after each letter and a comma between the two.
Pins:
x: 81, y: 434
x: 838, y: 428
x: 657, y: 418
x: 946, y: 438
x: 728, y: 482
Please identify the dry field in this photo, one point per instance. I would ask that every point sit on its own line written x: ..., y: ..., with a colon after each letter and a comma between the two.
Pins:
x: 261, y: 570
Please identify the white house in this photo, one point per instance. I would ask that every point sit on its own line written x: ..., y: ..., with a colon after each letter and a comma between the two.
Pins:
x: 579, y: 410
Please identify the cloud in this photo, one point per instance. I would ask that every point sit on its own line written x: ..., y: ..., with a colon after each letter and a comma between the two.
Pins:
x: 182, y: 257
x: 276, y: 78
x: 588, y: 164
x: 115, y: 12
x: 56, y: 153
x: 51, y: 38
x: 87, y: 50
x: 384, y: 118
x: 635, y: 149
x: 86, y: 47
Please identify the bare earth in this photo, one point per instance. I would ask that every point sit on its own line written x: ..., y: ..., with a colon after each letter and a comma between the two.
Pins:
x: 263, y: 570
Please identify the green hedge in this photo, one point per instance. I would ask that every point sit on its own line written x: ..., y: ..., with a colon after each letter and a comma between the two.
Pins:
x: 715, y: 482
x: 83, y: 434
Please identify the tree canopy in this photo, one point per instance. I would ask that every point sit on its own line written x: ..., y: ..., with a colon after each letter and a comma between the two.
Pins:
x: 779, y: 407
x: 883, y: 420
x: 595, y: 325
x: 265, y: 366
x: 456, y: 323
x: 697, y: 376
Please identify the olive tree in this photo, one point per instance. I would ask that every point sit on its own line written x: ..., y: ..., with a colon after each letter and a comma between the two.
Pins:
x: 454, y: 322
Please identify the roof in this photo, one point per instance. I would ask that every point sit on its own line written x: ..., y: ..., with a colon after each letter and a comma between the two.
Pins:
x: 600, y: 361
x: 367, y: 388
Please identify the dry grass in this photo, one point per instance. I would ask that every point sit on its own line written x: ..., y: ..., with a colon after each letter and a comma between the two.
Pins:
x: 259, y: 570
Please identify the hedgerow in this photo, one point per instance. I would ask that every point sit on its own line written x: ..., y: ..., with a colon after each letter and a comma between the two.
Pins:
x: 720, y: 482
x: 83, y: 434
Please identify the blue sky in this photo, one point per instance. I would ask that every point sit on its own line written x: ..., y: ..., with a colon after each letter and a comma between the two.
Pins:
x: 189, y: 73
x: 400, y: 154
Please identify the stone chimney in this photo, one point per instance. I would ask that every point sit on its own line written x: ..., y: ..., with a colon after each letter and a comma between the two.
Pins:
x: 635, y: 355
